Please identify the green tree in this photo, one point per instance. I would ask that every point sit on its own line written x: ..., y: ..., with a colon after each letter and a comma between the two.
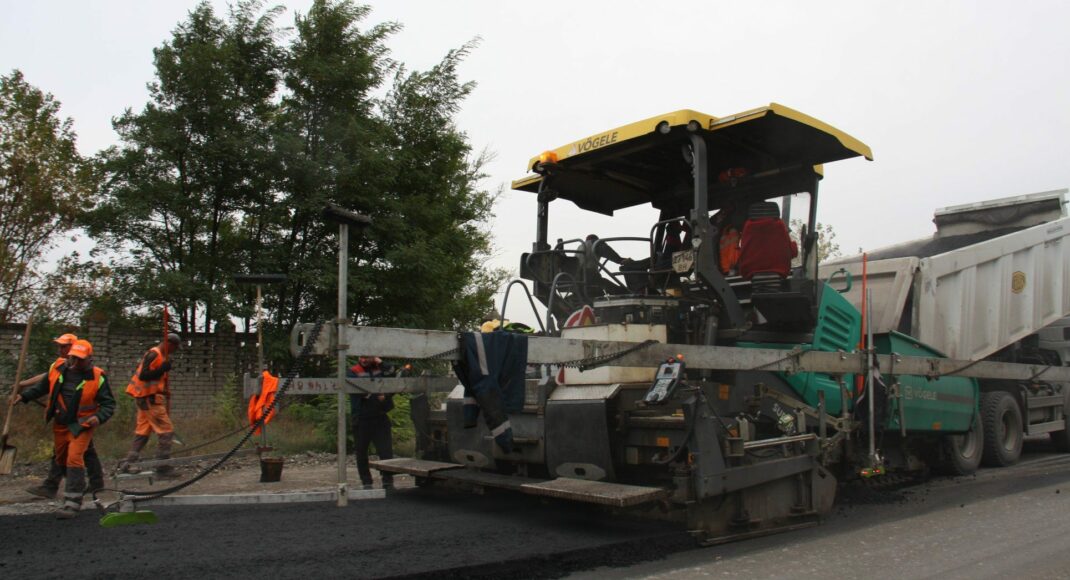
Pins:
x: 331, y: 147
x: 219, y: 174
x: 43, y: 184
x: 78, y: 288
x: 432, y: 239
x: 827, y: 248
x: 192, y: 161
x: 402, y: 161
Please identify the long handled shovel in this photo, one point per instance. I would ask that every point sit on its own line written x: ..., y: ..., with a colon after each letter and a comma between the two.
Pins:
x: 8, y: 452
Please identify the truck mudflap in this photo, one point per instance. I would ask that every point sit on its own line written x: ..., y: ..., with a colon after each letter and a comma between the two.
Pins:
x: 581, y: 490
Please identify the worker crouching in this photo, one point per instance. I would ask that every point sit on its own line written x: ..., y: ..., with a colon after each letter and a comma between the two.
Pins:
x: 152, y: 397
x: 79, y: 401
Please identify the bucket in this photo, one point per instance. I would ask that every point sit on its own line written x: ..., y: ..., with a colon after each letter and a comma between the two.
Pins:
x: 270, y: 469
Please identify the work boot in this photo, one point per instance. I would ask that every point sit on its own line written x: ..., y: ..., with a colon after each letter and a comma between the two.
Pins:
x: 163, y: 451
x: 43, y: 491
x: 74, y: 490
x: 367, y: 486
x: 55, y: 475
x: 94, y: 469
x: 134, y: 454
x: 66, y: 513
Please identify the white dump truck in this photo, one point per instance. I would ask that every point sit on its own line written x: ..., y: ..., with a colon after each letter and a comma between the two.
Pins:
x: 992, y: 284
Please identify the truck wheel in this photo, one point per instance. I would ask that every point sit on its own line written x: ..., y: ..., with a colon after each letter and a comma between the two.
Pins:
x: 961, y: 454
x: 1061, y: 439
x: 1003, y: 435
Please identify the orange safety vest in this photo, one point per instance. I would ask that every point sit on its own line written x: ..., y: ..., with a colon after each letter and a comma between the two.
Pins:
x: 139, y: 388
x: 87, y: 404
x: 259, y: 403
x: 729, y: 249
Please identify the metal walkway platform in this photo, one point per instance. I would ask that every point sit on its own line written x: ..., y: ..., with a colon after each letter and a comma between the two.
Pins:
x: 582, y: 490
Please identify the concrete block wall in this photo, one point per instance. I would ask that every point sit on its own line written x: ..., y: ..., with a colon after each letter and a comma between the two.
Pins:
x: 200, y: 368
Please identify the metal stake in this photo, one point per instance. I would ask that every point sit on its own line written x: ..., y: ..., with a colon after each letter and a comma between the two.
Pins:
x: 344, y: 218
x: 822, y: 424
x: 869, y: 379
x: 260, y: 353
x: 343, y: 291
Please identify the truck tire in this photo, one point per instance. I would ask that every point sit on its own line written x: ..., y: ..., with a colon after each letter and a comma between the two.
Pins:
x: 1002, y: 421
x: 961, y: 454
x: 1061, y: 439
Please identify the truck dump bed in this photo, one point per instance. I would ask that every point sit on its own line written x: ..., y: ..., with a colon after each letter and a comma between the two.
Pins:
x: 994, y: 273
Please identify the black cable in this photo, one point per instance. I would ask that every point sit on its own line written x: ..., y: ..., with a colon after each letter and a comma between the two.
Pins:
x: 182, y: 452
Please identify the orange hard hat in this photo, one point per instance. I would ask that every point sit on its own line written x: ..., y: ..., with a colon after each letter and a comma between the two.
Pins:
x: 81, y: 349
x: 65, y: 339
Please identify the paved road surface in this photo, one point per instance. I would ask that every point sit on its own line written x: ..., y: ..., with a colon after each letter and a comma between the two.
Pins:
x: 1011, y: 522
x: 1003, y: 523
x: 410, y: 534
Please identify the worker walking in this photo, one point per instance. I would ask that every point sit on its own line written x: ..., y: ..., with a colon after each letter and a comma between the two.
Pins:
x: 79, y: 401
x: 152, y: 397
x: 372, y: 425
x: 50, y: 486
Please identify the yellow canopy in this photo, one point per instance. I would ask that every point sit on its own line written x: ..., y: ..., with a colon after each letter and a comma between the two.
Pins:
x: 642, y: 162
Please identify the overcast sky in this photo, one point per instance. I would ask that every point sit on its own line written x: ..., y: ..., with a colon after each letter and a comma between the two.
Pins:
x: 960, y: 101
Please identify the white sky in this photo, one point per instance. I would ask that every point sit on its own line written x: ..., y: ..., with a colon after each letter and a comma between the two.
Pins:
x: 960, y: 101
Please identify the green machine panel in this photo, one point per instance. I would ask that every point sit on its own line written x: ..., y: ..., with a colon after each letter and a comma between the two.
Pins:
x: 943, y: 404
x: 838, y: 327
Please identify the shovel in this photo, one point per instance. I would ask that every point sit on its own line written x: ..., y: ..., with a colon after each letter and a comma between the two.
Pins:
x: 7, y: 452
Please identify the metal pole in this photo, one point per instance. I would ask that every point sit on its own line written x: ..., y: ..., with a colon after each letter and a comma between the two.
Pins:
x: 260, y: 353
x: 822, y: 424
x: 343, y: 278
x: 259, y: 330
x: 542, y: 222
x: 869, y: 379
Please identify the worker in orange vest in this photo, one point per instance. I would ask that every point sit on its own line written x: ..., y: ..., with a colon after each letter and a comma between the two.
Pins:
x: 50, y: 486
x: 152, y: 397
x: 79, y: 401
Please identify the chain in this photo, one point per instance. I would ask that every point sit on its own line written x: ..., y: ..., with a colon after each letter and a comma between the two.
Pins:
x: 598, y: 360
x: 444, y: 355
x: 582, y: 364
x: 795, y: 353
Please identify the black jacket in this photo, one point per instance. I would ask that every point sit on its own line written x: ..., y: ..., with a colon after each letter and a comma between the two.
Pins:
x: 68, y: 389
x: 369, y: 406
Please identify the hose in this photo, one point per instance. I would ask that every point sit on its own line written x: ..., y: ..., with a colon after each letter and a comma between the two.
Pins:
x: 294, y: 371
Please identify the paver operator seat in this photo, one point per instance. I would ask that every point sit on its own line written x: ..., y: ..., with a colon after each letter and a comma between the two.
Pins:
x: 765, y: 246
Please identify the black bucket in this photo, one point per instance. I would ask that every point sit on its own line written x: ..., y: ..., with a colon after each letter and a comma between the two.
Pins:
x: 270, y: 469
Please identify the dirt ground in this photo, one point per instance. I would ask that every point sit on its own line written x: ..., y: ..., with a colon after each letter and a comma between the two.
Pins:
x: 302, y: 472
